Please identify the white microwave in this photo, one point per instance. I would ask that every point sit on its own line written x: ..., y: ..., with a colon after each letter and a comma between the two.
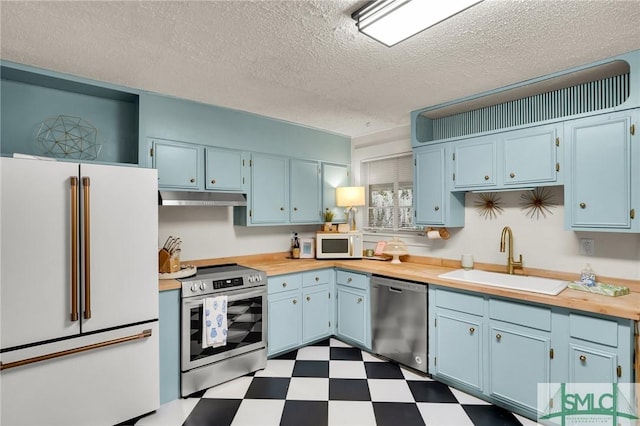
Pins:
x: 339, y: 245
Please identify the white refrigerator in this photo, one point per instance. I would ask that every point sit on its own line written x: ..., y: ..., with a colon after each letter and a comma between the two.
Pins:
x: 78, y: 293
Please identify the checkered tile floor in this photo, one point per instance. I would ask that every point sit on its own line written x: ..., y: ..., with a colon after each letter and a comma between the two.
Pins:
x: 331, y: 383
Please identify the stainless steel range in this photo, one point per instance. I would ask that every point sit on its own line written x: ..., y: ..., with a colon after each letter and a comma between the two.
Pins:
x: 245, y: 349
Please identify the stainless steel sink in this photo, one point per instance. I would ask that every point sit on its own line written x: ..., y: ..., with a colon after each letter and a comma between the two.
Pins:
x: 514, y: 282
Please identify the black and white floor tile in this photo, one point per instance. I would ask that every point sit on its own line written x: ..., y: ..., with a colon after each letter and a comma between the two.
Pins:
x: 331, y: 383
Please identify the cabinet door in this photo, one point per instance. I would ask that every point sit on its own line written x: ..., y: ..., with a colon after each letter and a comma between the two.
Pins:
x: 179, y: 164
x: 518, y: 361
x: 269, y: 189
x: 458, y: 348
x: 587, y: 365
x: 475, y: 163
x: 352, y: 314
x: 304, y: 192
x: 599, y: 193
x: 285, y: 318
x: 315, y: 314
x: 223, y: 169
x: 429, y: 185
x: 530, y: 156
x: 333, y: 176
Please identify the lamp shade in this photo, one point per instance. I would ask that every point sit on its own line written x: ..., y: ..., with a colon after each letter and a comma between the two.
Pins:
x: 349, y: 196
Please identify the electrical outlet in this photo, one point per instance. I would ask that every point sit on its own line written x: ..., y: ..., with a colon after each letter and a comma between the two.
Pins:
x: 587, y: 247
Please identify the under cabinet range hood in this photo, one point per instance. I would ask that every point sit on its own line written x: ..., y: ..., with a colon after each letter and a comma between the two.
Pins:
x: 192, y: 198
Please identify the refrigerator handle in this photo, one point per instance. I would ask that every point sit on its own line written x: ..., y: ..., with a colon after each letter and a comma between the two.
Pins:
x: 142, y: 335
x: 74, y: 247
x: 87, y: 247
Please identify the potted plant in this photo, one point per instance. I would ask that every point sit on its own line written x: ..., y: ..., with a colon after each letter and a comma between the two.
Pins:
x: 328, y: 218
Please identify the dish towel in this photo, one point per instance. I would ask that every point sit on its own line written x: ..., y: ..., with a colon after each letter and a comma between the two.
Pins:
x: 214, y: 329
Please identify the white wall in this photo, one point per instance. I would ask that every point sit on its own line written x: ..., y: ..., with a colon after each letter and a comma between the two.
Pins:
x: 208, y: 232
x: 543, y: 242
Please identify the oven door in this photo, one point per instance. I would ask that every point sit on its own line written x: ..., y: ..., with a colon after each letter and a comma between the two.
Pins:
x: 246, y: 323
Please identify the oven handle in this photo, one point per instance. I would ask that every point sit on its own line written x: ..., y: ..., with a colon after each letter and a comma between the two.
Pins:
x: 236, y: 295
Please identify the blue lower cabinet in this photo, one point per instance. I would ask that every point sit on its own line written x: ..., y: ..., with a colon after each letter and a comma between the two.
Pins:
x: 500, y: 349
x: 518, y: 361
x: 352, y: 315
x: 316, y: 309
x: 458, y: 356
x: 285, y: 325
x: 169, y: 324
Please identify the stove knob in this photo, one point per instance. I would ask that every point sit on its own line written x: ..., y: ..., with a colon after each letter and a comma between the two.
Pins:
x: 250, y: 278
x: 194, y: 287
x: 258, y: 277
x: 203, y: 286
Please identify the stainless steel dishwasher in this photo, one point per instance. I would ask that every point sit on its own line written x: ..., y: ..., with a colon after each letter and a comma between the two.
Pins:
x: 399, y: 321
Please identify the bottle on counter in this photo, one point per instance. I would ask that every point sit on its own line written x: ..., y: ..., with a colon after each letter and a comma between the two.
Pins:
x: 295, y: 248
x: 588, y: 276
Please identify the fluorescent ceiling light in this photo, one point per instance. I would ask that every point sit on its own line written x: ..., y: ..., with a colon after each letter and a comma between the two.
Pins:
x: 392, y: 21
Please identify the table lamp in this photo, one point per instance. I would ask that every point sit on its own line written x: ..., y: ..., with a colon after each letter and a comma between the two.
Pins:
x: 349, y: 197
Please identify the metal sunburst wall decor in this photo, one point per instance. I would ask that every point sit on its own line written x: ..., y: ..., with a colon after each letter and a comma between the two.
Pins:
x: 488, y: 205
x: 65, y: 136
x: 537, y: 202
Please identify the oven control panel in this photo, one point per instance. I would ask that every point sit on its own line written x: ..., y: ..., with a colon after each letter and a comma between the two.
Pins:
x: 215, y: 285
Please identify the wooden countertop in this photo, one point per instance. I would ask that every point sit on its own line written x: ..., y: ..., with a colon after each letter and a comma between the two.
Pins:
x: 426, y: 270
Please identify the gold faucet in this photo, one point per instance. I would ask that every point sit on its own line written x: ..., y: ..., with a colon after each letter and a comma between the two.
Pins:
x: 511, y: 264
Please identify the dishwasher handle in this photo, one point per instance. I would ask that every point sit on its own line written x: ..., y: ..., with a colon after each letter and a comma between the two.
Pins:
x: 397, y: 286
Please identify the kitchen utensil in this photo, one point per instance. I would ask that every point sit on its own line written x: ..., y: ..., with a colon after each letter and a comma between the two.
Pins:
x: 176, y: 242
x: 166, y: 243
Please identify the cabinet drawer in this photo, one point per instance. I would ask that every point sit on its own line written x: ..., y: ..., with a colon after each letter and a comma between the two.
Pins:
x: 521, y: 314
x: 460, y: 301
x: 352, y: 279
x: 322, y: 276
x: 282, y: 283
x: 598, y: 330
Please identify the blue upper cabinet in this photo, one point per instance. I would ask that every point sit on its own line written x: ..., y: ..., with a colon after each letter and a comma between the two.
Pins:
x: 475, y: 163
x: 269, y: 199
x: 223, y: 169
x: 514, y: 159
x: 179, y: 164
x: 603, y: 166
x: 530, y: 156
x: 434, y: 203
x: 304, y: 191
x: 283, y: 190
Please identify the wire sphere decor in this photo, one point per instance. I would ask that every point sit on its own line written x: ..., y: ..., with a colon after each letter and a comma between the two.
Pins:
x: 65, y: 136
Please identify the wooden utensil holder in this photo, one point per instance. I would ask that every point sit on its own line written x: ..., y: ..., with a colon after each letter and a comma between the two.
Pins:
x: 167, y: 262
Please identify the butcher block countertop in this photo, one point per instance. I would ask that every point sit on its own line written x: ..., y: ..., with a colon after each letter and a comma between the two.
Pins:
x: 426, y: 270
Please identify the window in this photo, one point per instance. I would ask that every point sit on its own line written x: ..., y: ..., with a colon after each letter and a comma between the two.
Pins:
x: 389, y: 189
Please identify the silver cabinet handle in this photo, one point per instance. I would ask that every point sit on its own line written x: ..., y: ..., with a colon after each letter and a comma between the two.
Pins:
x: 284, y: 284
x: 359, y: 299
x: 472, y: 330
x: 308, y: 298
x: 294, y: 301
x: 349, y: 279
x: 192, y: 180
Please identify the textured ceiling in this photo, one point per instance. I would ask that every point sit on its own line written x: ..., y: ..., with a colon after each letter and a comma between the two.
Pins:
x: 304, y: 61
